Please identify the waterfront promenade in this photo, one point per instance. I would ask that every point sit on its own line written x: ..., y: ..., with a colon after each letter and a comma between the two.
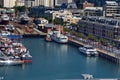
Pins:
x: 104, y: 51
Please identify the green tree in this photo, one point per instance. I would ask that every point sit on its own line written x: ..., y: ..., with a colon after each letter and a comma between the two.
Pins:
x: 19, y: 9
x: 92, y: 37
x: 58, y: 21
x: 49, y: 18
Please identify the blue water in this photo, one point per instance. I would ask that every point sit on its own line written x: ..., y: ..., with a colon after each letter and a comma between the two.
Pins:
x: 53, y: 61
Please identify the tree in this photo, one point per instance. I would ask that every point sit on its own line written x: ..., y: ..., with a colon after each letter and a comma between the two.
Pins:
x: 58, y: 21
x: 19, y: 9
x: 49, y: 18
x: 92, y: 37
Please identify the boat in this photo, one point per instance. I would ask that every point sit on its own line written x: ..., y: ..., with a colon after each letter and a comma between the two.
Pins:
x: 87, y: 76
x: 5, y: 61
x: 4, y: 19
x: 58, y: 37
x: 88, y: 50
x: 26, y: 57
x: 24, y: 19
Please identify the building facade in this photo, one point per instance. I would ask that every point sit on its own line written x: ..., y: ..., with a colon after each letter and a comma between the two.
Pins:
x: 20, y: 3
x: 93, y: 11
x: 111, y: 8
x: 9, y: 3
x: 60, y: 2
x: 101, y: 27
x: 61, y: 13
x: 46, y: 3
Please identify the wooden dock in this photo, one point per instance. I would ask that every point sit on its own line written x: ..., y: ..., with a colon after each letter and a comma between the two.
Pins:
x: 103, y: 53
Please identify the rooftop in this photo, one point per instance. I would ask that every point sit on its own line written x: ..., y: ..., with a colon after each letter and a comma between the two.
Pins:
x: 102, y: 20
x: 93, y: 8
x: 111, y: 3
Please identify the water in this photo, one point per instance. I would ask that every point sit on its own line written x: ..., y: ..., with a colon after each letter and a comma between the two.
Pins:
x: 53, y: 61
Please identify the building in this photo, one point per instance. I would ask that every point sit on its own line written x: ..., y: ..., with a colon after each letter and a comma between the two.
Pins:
x: 116, y: 16
x: 20, y: 3
x: 111, y: 8
x: 76, y: 12
x: 1, y: 1
x: 86, y: 4
x: 9, y: 3
x: 46, y: 3
x: 29, y: 3
x: 60, y: 2
x: 101, y: 27
x: 93, y: 11
x: 71, y: 5
x: 61, y: 13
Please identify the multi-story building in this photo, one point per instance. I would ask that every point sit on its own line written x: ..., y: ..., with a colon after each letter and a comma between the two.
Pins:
x: 101, y: 27
x: 59, y: 2
x: 9, y: 3
x: 111, y: 8
x: 20, y: 3
x: 93, y: 11
x: 29, y: 3
x: 61, y: 13
x: 46, y: 3
x: 86, y: 4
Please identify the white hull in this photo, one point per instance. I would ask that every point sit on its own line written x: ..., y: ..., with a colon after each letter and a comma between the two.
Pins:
x: 59, y: 39
x: 88, y: 52
x: 10, y: 62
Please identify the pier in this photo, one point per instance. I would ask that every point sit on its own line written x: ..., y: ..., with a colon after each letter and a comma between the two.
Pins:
x: 28, y: 30
x: 102, y: 53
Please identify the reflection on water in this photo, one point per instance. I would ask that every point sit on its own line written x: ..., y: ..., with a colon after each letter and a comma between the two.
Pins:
x: 92, y: 60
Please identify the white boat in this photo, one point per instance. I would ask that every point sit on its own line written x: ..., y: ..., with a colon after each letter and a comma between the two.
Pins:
x: 87, y: 76
x: 58, y: 37
x: 88, y: 50
x: 6, y: 61
x: 5, y: 19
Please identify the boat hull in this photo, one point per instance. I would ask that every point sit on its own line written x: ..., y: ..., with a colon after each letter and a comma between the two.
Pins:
x: 59, y: 40
x: 6, y: 63
x: 88, y: 54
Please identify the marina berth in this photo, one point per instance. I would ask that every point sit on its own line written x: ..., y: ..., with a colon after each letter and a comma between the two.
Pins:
x: 13, y: 52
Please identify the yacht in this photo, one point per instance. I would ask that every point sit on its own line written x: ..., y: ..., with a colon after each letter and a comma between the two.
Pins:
x: 7, y: 61
x: 58, y: 37
x: 88, y: 50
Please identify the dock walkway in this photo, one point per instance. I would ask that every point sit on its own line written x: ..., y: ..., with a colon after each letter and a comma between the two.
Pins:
x: 104, y: 53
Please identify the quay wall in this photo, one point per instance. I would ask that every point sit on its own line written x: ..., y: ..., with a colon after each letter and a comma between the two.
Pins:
x: 102, y: 53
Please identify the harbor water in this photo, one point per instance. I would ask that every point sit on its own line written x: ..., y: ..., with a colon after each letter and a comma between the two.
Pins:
x: 53, y: 61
